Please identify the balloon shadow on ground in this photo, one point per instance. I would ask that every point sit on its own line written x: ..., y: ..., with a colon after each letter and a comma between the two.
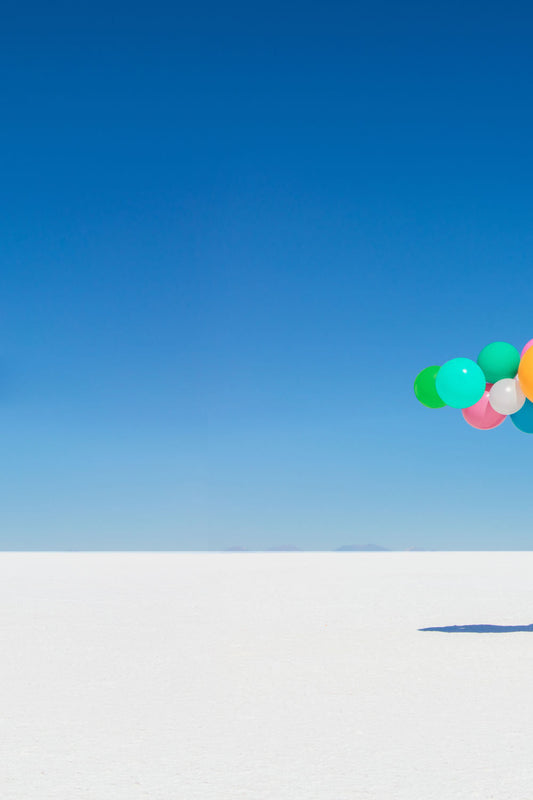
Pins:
x: 481, y: 628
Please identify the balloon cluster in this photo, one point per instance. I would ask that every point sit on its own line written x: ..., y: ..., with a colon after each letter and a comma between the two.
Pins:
x: 497, y: 386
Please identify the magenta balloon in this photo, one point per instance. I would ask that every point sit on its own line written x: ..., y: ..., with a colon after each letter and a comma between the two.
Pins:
x: 526, y: 347
x: 482, y: 415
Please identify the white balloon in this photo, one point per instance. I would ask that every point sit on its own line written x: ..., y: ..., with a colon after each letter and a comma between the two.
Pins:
x: 506, y: 396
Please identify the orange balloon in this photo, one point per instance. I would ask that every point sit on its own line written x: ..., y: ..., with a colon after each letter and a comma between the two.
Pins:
x: 525, y: 373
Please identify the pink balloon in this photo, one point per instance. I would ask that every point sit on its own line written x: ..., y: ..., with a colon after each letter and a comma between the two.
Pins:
x: 482, y: 415
x: 527, y: 346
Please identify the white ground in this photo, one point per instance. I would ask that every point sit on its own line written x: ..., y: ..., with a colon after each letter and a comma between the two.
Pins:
x: 279, y: 676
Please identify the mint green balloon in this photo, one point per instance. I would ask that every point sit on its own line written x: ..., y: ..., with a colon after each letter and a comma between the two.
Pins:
x: 499, y: 360
x: 460, y: 383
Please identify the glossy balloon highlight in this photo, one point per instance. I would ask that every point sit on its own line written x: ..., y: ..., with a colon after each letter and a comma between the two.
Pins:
x: 460, y: 383
x: 506, y: 396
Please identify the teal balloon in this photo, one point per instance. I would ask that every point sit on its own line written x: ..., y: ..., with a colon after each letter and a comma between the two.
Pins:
x: 523, y: 419
x: 499, y: 360
x: 460, y: 383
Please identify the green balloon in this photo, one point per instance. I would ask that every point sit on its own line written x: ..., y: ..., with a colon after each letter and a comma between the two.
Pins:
x: 499, y: 360
x: 460, y: 383
x: 425, y: 389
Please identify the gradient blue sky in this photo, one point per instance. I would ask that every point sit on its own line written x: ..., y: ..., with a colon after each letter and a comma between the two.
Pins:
x: 231, y: 236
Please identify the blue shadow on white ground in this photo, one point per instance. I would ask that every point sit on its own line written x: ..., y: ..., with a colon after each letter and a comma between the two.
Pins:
x: 481, y: 628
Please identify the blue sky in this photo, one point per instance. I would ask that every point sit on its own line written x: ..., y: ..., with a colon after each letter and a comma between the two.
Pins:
x: 232, y: 234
